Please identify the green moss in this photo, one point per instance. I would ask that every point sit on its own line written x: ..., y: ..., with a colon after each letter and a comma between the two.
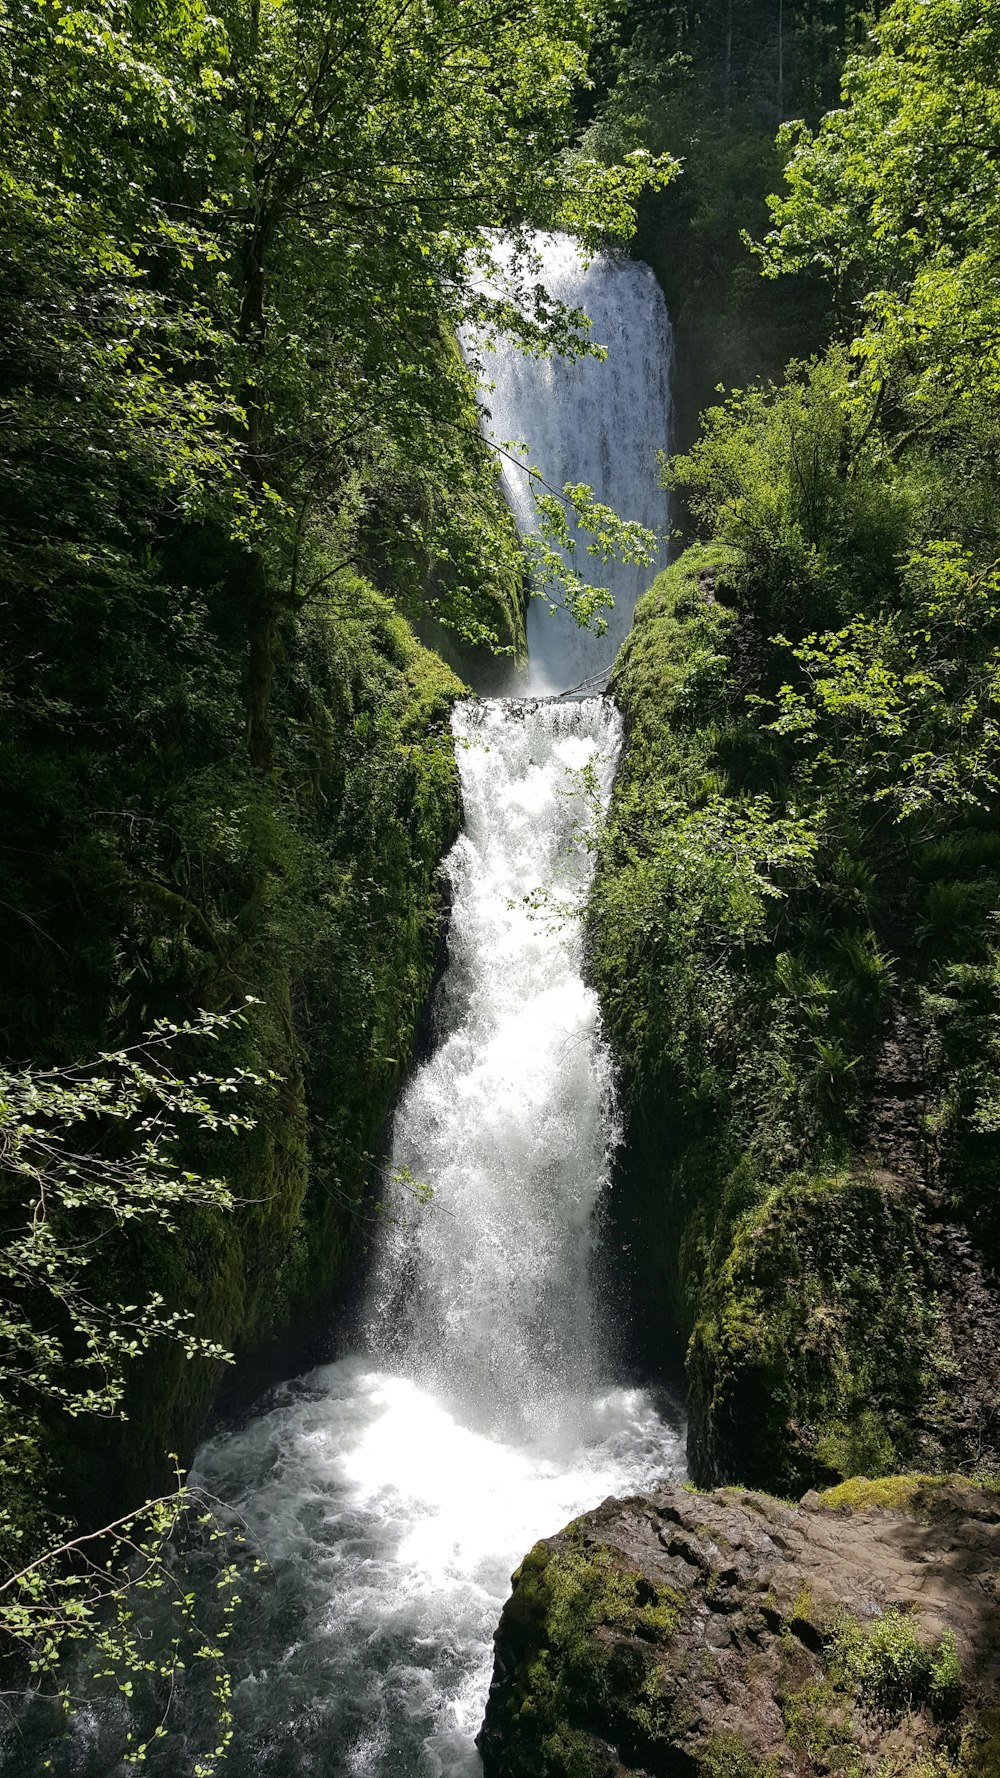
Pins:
x: 819, y: 1726
x: 980, y: 1749
x: 465, y: 581
x: 917, y: 1495
x: 590, y: 1634
x: 760, y: 1011
x: 816, y: 1315
x: 316, y: 892
x: 585, y: 1587
x: 571, y: 1753
x: 864, y: 1444
x: 728, y: 1756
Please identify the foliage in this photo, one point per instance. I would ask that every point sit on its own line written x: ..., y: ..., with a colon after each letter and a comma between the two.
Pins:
x: 240, y: 249
x: 897, y: 197
x: 562, y: 519
x: 324, y: 901
x: 708, y: 84
x: 93, y: 1596
x: 756, y: 1227
x: 904, y: 703
x: 796, y: 482
x: 85, y: 1151
x: 887, y: 1665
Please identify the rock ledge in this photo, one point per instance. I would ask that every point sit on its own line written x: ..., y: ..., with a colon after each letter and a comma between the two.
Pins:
x: 729, y: 1635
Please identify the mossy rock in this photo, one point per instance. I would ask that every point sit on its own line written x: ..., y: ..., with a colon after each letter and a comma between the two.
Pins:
x: 732, y: 1635
x: 318, y: 893
x: 917, y: 1496
x: 819, y: 1350
x: 769, y: 1215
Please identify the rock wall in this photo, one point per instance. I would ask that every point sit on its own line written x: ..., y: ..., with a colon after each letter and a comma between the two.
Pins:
x: 794, y: 1207
x: 319, y: 894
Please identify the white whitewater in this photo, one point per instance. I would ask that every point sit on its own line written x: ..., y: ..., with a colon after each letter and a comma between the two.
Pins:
x: 395, y: 1490
x: 583, y: 420
x: 510, y: 1120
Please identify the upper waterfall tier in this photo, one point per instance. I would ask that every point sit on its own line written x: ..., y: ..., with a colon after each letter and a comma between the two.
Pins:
x: 587, y: 420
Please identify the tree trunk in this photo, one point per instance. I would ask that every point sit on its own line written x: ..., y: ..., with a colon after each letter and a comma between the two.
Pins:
x: 262, y: 638
x: 728, y: 80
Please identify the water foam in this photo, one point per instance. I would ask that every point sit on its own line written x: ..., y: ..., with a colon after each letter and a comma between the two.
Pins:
x: 396, y: 1490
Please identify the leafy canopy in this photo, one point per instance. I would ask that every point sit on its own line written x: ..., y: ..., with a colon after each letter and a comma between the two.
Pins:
x: 896, y: 196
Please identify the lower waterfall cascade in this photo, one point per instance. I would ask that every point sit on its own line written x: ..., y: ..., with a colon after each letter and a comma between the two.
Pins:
x: 396, y: 1489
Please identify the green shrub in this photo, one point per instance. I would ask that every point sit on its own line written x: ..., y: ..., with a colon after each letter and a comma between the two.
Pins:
x: 888, y: 1667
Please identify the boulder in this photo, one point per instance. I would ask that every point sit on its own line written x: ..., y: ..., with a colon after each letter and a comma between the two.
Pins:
x: 732, y: 1635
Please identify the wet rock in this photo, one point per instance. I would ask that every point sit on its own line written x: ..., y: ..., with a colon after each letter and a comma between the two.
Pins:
x: 730, y: 1635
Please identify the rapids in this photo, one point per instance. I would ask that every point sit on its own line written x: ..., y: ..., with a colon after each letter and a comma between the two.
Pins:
x: 396, y: 1490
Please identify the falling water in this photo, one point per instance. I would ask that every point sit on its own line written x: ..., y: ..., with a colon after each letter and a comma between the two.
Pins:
x: 599, y: 422
x: 396, y: 1489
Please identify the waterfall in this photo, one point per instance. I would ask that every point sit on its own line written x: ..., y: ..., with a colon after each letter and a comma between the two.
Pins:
x: 599, y: 422
x: 395, y: 1490
x: 510, y: 1119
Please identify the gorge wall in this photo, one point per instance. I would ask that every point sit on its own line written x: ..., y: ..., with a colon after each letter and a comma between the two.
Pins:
x: 784, y: 1211
x: 317, y: 894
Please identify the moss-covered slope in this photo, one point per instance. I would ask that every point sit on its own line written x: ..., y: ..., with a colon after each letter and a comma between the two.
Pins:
x: 792, y: 1189
x: 172, y: 875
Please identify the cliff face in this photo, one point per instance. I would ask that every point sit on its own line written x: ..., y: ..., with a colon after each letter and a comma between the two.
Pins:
x: 343, y: 925
x: 177, y: 877
x: 730, y: 1635
x: 800, y: 1194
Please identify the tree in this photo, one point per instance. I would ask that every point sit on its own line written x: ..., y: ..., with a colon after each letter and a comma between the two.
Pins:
x: 896, y: 196
x: 242, y: 247
x: 237, y: 247
x: 799, y: 482
x: 899, y: 711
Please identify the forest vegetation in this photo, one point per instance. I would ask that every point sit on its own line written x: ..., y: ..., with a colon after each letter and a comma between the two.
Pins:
x: 241, y: 466
x: 252, y: 544
x: 796, y: 938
